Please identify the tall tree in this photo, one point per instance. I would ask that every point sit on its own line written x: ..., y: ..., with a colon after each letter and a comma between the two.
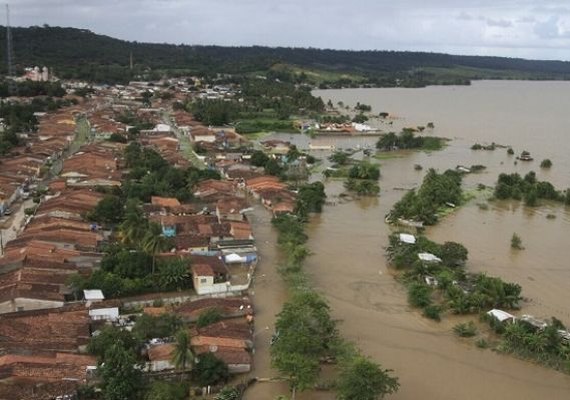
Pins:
x: 121, y: 377
x: 182, y: 356
x: 134, y: 227
x: 154, y: 242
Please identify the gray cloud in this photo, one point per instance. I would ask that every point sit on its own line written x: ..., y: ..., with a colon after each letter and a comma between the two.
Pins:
x: 499, y: 23
x: 465, y: 27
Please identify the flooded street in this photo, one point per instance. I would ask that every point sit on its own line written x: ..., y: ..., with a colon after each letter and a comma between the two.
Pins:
x: 268, y: 294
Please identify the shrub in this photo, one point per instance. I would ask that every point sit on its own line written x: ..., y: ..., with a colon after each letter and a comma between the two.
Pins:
x: 433, y: 312
x: 546, y: 163
x: 465, y: 329
x: 510, y: 151
x: 516, y: 242
x: 482, y: 343
x: 30, y: 210
x: 208, y: 317
x: 419, y: 295
x: 228, y: 393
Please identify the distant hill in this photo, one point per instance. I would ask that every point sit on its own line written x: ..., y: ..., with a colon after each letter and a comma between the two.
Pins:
x: 78, y: 53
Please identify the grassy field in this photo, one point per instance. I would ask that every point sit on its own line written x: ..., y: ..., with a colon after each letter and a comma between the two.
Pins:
x: 318, y: 76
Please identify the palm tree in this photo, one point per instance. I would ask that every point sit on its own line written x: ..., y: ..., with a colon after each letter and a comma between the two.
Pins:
x: 182, y: 356
x: 135, y: 225
x: 154, y: 242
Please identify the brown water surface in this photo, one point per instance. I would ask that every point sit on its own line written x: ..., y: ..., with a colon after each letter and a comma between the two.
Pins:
x: 348, y: 240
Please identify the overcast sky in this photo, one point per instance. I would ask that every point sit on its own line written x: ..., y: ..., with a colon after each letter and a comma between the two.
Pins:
x: 538, y: 29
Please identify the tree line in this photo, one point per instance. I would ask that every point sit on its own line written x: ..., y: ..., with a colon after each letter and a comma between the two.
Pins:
x: 81, y: 54
x: 306, y: 335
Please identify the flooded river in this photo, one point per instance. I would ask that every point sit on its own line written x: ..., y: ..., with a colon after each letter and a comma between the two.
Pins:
x: 348, y: 240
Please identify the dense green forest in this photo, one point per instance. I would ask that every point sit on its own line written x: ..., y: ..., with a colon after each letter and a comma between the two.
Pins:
x: 79, y: 53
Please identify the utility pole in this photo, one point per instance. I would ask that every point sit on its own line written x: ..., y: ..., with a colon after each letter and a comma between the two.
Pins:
x: 131, y: 61
x: 10, y: 54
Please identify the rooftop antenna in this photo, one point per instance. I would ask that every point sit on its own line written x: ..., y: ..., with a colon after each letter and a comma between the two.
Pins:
x: 9, y: 55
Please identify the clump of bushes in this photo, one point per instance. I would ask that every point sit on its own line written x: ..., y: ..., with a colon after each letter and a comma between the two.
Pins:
x: 546, y: 163
x: 436, y: 190
x: 362, y: 179
x: 478, y: 146
x: 408, y: 140
x: 513, y: 186
x: 545, y: 345
x: 433, y: 312
x: 465, y: 329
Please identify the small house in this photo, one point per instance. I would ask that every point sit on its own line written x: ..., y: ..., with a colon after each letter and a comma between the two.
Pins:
x: 160, y: 357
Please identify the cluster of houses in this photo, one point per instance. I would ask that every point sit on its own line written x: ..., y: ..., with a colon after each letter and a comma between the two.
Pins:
x: 44, y: 352
x: 25, y: 165
x: 230, y: 339
x: 45, y: 326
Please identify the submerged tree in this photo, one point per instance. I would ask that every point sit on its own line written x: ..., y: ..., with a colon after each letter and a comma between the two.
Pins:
x: 516, y: 242
x: 362, y: 379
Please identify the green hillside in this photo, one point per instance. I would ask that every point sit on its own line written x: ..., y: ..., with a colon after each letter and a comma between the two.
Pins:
x: 78, y: 53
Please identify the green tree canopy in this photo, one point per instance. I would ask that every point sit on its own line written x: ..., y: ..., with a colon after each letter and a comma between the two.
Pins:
x: 161, y: 326
x: 210, y: 370
x: 109, y: 336
x: 109, y: 210
x: 362, y: 379
x: 121, y: 376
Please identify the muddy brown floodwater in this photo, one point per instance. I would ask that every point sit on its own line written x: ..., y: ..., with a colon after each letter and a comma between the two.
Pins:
x: 348, y: 265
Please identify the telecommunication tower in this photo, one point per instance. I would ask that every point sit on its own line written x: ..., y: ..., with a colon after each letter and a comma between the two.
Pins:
x: 9, y: 53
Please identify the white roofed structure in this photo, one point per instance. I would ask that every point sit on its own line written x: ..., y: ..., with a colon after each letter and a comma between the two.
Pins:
x: 93, y: 295
x: 428, y: 257
x: 407, y: 238
x: 501, y: 316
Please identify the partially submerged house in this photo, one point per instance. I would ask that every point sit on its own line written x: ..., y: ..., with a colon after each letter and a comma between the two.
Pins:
x: 501, y: 316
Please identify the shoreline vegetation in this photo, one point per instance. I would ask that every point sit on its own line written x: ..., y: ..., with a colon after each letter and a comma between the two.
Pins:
x: 438, y: 285
x: 306, y: 336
